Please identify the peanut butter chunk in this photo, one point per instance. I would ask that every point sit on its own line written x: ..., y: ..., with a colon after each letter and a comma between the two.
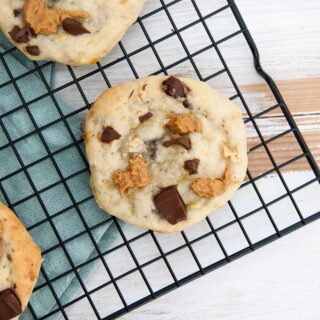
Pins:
x: 230, y: 153
x: 208, y: 187
x: 45, y: 20
x: 137, y: 175
x: 212, y: 187
x: 183, y: 123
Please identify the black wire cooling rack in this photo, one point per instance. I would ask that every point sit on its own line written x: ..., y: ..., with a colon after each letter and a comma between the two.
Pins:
x: 150, y: 264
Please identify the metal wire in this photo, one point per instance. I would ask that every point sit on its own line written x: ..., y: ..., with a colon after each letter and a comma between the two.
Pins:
x: 215, y: 233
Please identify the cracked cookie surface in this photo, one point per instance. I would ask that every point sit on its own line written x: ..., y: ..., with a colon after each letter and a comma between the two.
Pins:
x: 191, y: 139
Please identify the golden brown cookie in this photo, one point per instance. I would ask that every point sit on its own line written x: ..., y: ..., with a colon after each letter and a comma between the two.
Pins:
x: 67, y: 31
x: 20, y: 261
x: 164, y: 151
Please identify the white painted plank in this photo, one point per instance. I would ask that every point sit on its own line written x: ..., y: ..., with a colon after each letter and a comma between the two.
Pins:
x: 205, y: 294
x: 279, y: 282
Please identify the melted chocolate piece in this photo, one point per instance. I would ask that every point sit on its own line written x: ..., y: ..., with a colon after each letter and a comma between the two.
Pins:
x: 109, y: 134
x: 152, y: 148
x: 145, y: 117
x: 181, y: 141
x: 73, y: 27
x: 187, y: 104
x: 170, y: 205
x: 173, y: 87
x: 10, y: 305
x: 19, y: 35
x: 17, y: 12
x: 33, y: 50
x: 191, y: 166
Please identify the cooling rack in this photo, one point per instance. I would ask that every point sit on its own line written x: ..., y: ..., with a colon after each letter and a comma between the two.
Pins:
x: 140, y: 265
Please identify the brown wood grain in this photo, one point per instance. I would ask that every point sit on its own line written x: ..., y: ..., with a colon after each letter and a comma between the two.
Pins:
x: 303, y: 99
x: 301, y: 95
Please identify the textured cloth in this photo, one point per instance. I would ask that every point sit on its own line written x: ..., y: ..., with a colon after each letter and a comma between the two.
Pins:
x: 46, y: 165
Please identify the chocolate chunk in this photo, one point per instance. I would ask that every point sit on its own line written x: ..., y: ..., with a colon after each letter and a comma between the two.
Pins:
x: 33, y: 34
x: 182, y: 141
x: 33, y: 50
x: 152, y: 148
x: 73, y: 27
x: 187, y: 104
x: 21, y: 35
x: 191, y: 166
x: 10, y: 305
x: 170, y: 205
x: 17, y: 12
x: 174, y: 87
x: 109, y: 134
x: 145, y: 117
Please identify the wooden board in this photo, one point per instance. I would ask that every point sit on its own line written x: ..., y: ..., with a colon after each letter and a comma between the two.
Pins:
x: 303, y: 99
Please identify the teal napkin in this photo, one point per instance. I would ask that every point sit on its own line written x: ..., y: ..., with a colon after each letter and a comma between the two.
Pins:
x: 17, y: 190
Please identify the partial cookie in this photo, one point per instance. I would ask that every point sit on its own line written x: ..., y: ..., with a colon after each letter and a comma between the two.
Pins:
x: 20, y: 261
x: 164, y: 151
x: 67, y: 31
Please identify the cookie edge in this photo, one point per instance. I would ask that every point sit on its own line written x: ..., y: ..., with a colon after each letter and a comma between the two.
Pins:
x: 26, y: 263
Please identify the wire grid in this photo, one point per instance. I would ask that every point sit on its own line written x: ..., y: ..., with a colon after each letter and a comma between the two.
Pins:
x: 175, y: 259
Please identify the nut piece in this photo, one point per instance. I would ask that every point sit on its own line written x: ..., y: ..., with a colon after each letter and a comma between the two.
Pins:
x: 183, y: 123
x: 212, y: 187
x: 45, y: 20
x: 137, y: 175
x: 230, y: 153
x: 1, y: 244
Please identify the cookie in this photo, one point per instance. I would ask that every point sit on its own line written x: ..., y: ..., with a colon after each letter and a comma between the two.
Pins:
x: 164, y: 151
x: 20, y: 261
x: 67, y: 31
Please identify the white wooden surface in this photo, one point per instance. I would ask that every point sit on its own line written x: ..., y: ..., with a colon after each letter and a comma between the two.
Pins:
x: 280, y: 281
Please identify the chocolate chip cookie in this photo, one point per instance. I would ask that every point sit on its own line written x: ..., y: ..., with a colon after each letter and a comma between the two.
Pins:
x: 20, y: 261
x: 67, y: 31
x: 164, y: 151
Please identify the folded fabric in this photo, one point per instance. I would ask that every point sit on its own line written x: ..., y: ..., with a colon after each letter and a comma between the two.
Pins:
x: 45, y: 191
